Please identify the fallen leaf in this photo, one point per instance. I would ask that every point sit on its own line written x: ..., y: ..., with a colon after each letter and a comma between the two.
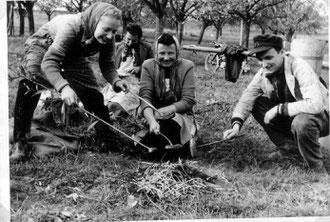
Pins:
x: 74, y: 196
x: 92, y: 125
x: 65, y: 214
x: 131, y: 201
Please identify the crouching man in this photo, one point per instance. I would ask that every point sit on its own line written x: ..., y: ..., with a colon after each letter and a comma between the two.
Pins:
x: 287, y: 98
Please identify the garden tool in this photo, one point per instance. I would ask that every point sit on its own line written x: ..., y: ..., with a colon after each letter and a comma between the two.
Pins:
x: 150, y: 149
x: 219, y: 141
x: 148, y: 103
x: 170, y: 146
x: 152, y: 107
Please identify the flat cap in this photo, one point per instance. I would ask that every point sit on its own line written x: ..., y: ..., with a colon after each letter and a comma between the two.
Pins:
x: 266, y: 42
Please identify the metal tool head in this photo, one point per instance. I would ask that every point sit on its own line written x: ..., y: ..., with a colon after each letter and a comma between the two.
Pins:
x: 173, y: 146
x: 151, y: 149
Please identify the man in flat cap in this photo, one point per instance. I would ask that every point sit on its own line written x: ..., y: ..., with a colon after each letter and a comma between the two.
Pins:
x: 288, y: 100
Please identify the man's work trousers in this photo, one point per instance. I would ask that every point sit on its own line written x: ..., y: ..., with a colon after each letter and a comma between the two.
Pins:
x: 302, y: 131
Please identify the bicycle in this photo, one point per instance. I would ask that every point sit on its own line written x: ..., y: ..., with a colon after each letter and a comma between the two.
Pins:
x: 215, y: 61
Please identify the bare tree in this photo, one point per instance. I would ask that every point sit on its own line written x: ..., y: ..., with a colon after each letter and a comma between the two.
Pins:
x: 131, y: 11
x: 182, y: 9
x: 22, y: 13
x: 48, y: 6
x: 10, y: 18
x: 206, y: 22
x: 76, y: 5
x: 296, y: 15
x: 158, y: 8
x: 247, y: 10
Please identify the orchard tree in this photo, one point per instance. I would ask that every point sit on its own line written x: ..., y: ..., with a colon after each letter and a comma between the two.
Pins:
x: 74, y: 6
x: 182, y: 10
x: 264, y: 18
x: 48, y: 6
x: 297, y: 15
x: 131, y: 11
x: 213, y: 12
x: 247, y: 11
x: 207, y: 21
x: 10, y: 18
x: 22, y: 14
x: 158, y: 7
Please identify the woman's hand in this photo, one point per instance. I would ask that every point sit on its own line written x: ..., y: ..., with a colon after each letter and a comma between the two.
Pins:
x: 154, y: 127
x: 123, y: 85
x: 68, y: 95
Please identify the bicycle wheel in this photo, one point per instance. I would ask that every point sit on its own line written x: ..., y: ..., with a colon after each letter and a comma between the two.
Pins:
x: 211, y: 62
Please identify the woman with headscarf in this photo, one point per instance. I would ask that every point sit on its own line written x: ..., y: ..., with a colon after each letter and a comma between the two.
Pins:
x: 56, y: 57
x: 168, y: 83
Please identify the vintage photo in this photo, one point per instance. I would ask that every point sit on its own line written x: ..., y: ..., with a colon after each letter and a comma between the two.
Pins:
x: 139, y: 110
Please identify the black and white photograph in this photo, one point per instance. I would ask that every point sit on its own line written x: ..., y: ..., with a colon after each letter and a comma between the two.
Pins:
x: 180, y: 110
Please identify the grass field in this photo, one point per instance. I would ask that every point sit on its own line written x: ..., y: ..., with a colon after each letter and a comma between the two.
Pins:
x: 93, y: 186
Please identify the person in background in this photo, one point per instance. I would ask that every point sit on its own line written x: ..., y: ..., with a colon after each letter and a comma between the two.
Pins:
x: 56, y: 57
x: 288, y: 100
x: 132, y: 52
x: 168, y: 83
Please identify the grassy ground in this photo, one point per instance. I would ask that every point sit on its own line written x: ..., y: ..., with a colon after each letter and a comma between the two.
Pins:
x: 93, y: 186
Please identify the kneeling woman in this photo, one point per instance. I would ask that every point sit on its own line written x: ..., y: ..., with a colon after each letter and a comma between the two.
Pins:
x: 56, y: 57
x: 168, y: 83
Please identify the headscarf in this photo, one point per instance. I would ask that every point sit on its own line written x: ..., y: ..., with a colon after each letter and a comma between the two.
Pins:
x: 92, y: 15
x: 90, y: 19
x: 177, y: 46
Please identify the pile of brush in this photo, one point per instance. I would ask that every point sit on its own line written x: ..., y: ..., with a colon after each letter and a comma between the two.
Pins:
x: 173, y: 182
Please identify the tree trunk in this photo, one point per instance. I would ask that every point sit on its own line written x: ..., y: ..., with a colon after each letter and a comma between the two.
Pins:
x: 10, y: 18
x: 126, y: 18
x: 201, y: 33
x: 246, y: 33
x: 49, y: 16
x: 29, y: 9
x: 21, y: 13
x: 218, y: 30
x: 159, y: 26
x: 180, y: 31
x: 289, y: 34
